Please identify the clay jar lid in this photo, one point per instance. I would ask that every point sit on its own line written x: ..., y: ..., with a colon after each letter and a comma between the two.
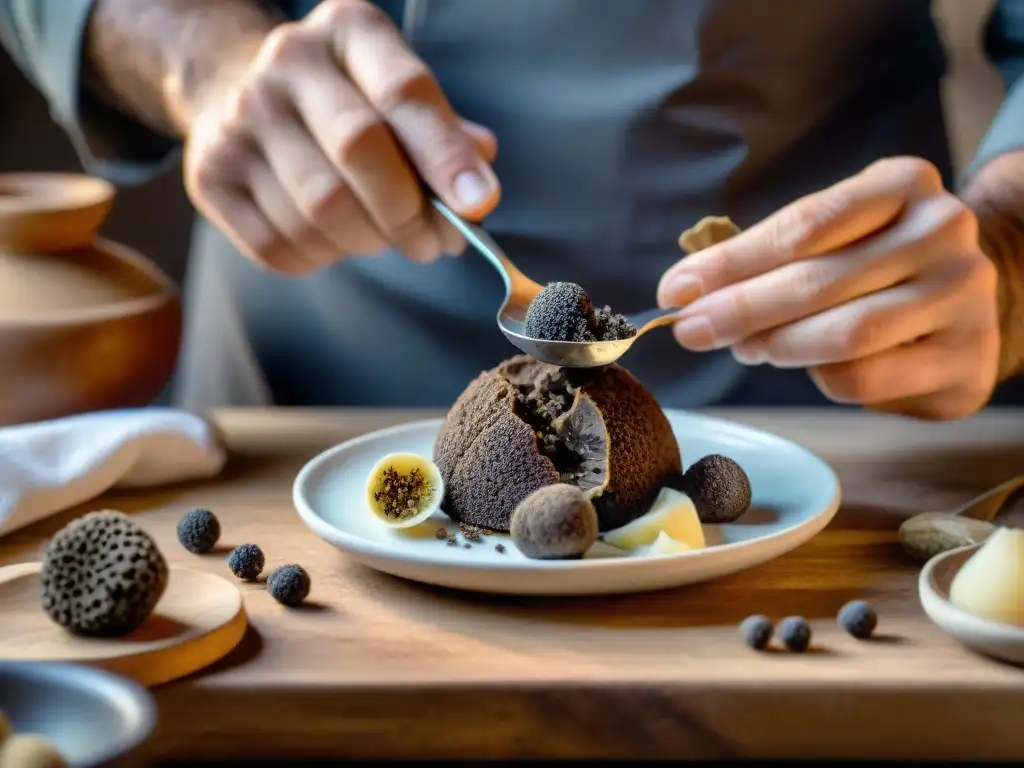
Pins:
x: 85, y: 324
x: 42, y: 212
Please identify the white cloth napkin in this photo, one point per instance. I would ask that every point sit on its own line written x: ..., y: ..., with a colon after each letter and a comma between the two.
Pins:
x: 49, y: 466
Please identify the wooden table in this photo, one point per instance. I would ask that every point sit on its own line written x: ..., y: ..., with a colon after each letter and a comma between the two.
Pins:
x: 383, y: 668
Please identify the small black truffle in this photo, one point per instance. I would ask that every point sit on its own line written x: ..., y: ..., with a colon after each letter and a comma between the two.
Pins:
x: 719, y: 488
x: 102, y: 575
x: 757, y: 631
x: 858, y: 618
x: 795, y: 633
x: 246, y: 561
x: 289, y: 585
x: 564, y: 312
x: 198, y: 531
x: 554, y: 522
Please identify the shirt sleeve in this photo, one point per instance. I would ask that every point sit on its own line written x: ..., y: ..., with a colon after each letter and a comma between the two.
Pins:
x: 44, y: 37
x: 1004, y: 46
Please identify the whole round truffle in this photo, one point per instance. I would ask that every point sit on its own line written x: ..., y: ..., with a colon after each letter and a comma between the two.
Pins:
x: 289, y: 585
x: 858, y: 619
x: 719, y: 488
x: 795, y: 633
x: 560, y: 312
x: 246, y: 561
x: 525, y: 424
x: 756, y: 631
x: 555, y: 522
x: 198, y: 531
x: 26, y: 750
x: 102, y: 575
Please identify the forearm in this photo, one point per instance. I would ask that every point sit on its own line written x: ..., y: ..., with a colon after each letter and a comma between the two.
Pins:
x: 157, y: 60
x: 996, y: 193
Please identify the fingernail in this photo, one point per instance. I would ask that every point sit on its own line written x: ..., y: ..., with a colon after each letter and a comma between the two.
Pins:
x: 473, y: 189
x: 695, y: 333
x: 679, y: 290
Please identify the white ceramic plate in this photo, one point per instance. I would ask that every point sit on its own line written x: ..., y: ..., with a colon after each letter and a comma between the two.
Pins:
x: 989, y: 638
x: 795, y: 493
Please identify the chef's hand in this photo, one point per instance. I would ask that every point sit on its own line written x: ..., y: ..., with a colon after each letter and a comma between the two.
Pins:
x: 877, y: 285
x: 316, y: 150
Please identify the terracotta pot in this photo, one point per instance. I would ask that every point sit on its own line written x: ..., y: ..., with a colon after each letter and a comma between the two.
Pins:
x: 82, y: 328
x: 41, y: 212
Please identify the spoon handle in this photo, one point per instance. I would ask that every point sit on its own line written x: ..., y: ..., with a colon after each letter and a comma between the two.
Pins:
x: 987, y: 506
x: 483, y: 243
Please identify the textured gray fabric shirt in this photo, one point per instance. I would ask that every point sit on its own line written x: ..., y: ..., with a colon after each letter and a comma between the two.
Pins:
x: 619, y: 123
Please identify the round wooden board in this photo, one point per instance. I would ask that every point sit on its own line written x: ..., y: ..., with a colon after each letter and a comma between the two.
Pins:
x: 198, y: 621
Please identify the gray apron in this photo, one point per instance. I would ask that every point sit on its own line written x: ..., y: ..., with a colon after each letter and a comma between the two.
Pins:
x: 619, y: 125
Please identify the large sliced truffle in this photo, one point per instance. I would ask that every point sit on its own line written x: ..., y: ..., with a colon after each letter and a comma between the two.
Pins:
x: 525, y: 425
x: 564, y: 312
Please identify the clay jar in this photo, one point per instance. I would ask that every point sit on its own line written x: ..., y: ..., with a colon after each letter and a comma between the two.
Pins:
x: 85, y: 324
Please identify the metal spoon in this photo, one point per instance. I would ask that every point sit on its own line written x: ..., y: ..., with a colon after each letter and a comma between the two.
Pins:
x: 520, y: 291
x: 931, y: 533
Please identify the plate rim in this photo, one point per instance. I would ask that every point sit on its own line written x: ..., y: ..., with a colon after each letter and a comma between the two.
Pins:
x: 369, y: 548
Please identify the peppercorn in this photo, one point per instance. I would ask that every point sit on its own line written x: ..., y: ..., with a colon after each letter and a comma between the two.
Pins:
x: 858, y: 618
x: 289, y: 585
x: 757, y: 631
x: 795, y: 633
x: 246, y: 561
x: 198, y: 531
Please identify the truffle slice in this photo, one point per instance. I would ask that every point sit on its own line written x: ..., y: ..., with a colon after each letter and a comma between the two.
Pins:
x: 556, y: 522
x: 525, y: 425
x: 564, y: 312
x: 102, y: 575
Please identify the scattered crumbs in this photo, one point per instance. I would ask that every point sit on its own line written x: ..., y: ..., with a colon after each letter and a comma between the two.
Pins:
x: 486, y: 531
x: 452, y: 541
x: 500, y: 548
x: 467, y: 545
x: 441, y: 534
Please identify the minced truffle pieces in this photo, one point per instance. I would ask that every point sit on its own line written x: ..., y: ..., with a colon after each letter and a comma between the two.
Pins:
x: 102, y: 575
x: 564, y: 312
x: 719, y: 488
x: 198, y: 531
x: 289, y: 585
x: 246, y: 561
x: 555, y: 522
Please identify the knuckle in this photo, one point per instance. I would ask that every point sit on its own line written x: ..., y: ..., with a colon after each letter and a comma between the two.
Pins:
x: 812, y: 284
x: 412, y: 83
x: 861, y: 336
x: 854, y: 383
x: 286, y: 44
x: 910, y: 172
x: 356, y: 136
x: 981, y: 275
x: 317, y: 199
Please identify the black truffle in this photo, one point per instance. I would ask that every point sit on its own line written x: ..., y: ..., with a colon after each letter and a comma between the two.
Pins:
x: 858, y: 618
x: 289, y: 585
x: 524, y: 425
x: 102, y: 575
x: 198, y: 531
x: 719, y: 488
x: 795, y: 633
x: 246, y: 561
x: 757, y: 631
x: 564, y: 312
x: 555, y: 522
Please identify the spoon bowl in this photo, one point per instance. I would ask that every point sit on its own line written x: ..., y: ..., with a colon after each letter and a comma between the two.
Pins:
x: 520, y: 290
x: 989, y: 638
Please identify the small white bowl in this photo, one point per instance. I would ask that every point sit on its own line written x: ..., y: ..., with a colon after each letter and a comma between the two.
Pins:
x: 989, y: 638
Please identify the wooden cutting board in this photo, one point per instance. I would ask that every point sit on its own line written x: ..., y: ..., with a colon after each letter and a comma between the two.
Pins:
x: 198, y: 621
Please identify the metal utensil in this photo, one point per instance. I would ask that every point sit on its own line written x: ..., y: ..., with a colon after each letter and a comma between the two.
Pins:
x: 520, y: 291
x: 931, y: 533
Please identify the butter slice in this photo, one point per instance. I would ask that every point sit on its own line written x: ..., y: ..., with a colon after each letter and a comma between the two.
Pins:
x: 663, y: 545
x: 990, y: 585
x: 672, y: 513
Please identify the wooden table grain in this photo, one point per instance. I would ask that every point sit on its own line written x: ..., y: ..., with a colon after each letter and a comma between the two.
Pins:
x: 377, y: 667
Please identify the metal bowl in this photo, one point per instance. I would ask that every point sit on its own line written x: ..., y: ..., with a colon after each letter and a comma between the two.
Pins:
x: 92, y: 717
